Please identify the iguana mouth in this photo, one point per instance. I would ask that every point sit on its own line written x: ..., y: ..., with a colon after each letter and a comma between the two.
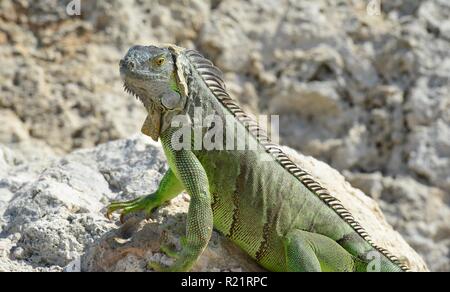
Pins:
x: 144, y: 75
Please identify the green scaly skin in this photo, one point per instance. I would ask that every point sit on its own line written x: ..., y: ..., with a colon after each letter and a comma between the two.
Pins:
x: 247, y: 195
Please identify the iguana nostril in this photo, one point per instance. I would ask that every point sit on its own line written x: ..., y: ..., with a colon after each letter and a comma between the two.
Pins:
x: 128, y: 63
x: 131, y: 64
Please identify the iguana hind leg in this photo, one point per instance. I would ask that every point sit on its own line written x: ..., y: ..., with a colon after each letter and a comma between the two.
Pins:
x: 312, y: 252
x: 169, y: 187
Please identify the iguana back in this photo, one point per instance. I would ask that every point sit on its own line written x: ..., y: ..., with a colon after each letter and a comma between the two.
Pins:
x: 260, y: 195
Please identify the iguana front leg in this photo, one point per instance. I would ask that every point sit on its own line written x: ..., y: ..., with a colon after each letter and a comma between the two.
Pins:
x: 191, y: 174
x: 169, y: 188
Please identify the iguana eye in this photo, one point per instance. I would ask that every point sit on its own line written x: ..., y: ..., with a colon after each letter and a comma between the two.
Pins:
x: 159, y: 61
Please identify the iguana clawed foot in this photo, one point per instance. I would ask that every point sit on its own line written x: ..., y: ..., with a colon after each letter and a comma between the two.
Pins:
x: 169, y: 251
x: 147, y: 203
x: 179, y: 265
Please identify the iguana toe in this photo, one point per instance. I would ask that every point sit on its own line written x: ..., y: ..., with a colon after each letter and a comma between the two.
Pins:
x: 127, y: 207
x: 157, y: 267
x: 169, y: 251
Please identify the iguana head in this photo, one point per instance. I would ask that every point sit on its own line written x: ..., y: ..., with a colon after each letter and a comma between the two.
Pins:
x: 150, y: 73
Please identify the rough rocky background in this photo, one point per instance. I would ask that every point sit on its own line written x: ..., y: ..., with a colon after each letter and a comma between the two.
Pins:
x: 370, y: 95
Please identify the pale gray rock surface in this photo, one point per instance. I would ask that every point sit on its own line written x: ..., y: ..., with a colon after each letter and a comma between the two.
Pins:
x: 369, y: 95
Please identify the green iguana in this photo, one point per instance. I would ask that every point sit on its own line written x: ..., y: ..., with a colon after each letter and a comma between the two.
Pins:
x: 257, y: 197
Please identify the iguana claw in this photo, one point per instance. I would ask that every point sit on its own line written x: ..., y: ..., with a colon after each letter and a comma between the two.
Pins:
x: 169, y: 251
x: 157, y: 267
x: 146, y: 203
